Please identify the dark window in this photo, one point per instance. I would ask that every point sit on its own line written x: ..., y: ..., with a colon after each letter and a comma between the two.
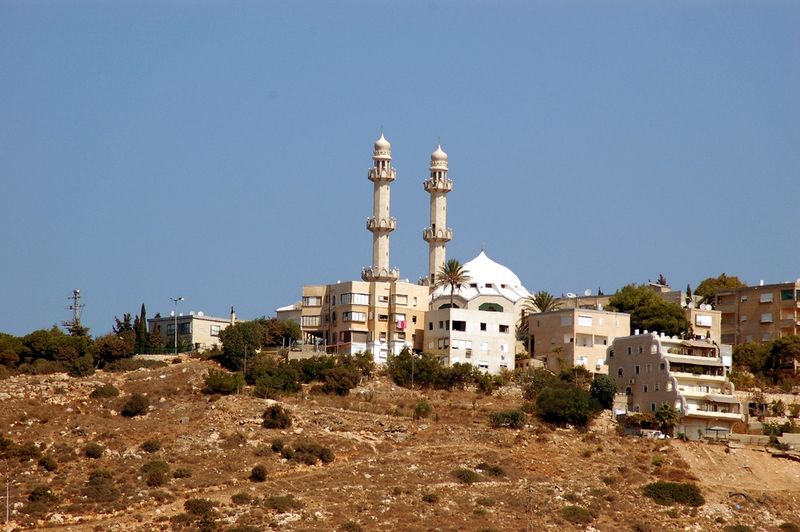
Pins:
x: 430, y: 325
x: 504, y: 328
x: 637, y: 370
x: 459, y: 325
x: 483, y: 326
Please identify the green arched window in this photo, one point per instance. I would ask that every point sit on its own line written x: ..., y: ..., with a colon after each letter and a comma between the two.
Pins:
x: 447, y: 305
x: 491, y: 307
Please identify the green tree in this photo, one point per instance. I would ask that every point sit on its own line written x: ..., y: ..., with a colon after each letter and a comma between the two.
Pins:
x: 781, y: 353
x: 648, y: 310
x: 454, y: 275
x: 711, y: 285
x: 566, y: 403
x: 140, y: 326
x: 10, y: 349
x: 603, y: 388
x: 114, y: 346
x: 666, y: 418
x: 751, y: 356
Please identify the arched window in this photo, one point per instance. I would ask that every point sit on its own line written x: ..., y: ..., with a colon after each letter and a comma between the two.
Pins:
x: 447, y: 305
x: 491, y: 307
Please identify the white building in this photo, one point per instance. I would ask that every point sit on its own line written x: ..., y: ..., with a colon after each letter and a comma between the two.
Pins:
x: 480, y: 327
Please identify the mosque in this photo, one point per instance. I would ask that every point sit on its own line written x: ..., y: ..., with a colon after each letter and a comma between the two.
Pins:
x: 384, y: 314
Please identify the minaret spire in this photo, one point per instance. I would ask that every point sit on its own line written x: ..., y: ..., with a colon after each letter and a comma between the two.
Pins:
x: 381, y: 223
x: 438, y: 234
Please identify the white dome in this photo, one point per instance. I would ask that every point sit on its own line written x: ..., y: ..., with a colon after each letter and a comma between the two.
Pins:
x: 438, y: 154
x: 382, y: 144
x: 487, y: 277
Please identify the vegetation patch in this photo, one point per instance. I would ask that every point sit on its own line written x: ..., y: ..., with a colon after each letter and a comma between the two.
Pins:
x: 222, y: 382
x: 93, y: 450
x: 276, y: 417
x: 465, y: 475
x: 258, y: 473
x: 151, y: 446
x: 104, y: 391
x: 576, y: 514
x: 283, y: 503
x: 510, y: 419
x: 137, y: 405
x: 669, y: 493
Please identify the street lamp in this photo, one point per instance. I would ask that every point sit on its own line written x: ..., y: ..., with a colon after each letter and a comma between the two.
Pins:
x: 175, y: 322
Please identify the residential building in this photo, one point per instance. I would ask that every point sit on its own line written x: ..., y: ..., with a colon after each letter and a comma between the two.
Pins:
x: 575, y: 337
x: 195, y: 330
x: 705, y: 322
x: 759, y: 313
x: 291, y: 312
x: 480, y: 326
x: 652, y: 370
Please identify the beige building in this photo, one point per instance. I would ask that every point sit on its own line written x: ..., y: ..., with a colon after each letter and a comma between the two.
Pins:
x: 759, y: 313
x: 195, y: 330
x: 291, y: 312
x: 688, y: 374
x: 575, y: 337
x: 705, y: 322
x: 480, y: 327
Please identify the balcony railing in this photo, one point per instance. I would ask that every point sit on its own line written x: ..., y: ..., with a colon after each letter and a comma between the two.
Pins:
x: 438, y: 185
x: 381, y: 224
x: 430, y: 234
x: 382, y: 175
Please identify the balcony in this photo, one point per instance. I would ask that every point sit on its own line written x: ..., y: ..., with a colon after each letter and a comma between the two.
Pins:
x: 381, y: 225
x: 705, y: 414
x: 429, y: 234
x: 382, y: 175
x: 683, y: 376
x: 373, y: 273
x: 438, y: 185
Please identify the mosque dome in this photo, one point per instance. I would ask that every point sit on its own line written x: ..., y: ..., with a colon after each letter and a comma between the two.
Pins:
x: 488, y: 277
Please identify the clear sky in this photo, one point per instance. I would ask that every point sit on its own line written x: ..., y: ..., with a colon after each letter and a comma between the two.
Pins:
x: 219, y: 150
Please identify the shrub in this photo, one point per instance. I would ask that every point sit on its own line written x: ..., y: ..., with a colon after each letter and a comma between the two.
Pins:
x: 512, y: 419
x: 48, y: 462
x: 464, y: 475
x: 156, y: 478
x: 340, y: 380
x: 352, y: 526
x: 241, y: 498
x: 668, y: 493
x: 41, y: 493
x: 484, y: 501
x: 603, y: 388
x: 430, y: 498
x: 82, y: 366
x: 100, y: 487
x: 789, y: 527
x: 277, y: 417
x: 182, y: 472
x: 565, y: 403
x: 28, y: 451
x: 309, y: 453
x: 326, y: 455
x: 576, y: 514
x: 277, y: 445
x: 657, y: 460
x: 493, y: 470
x: 156, y: 465
x: 287, y: 453
x: 199, y: 507
x: 422, y: 410
x: 283, y: 503
x: 537, y: 380
x: 137, y: 405
x: 93, y: 450
x: 222, y: 382
x: 151, y: 446
x: 258, y: 473
x: 104, y: 391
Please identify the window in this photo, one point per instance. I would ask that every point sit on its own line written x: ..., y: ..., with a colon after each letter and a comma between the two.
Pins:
x: 383, y: 337
x: 333, y: 301
x: 566, y: 320
x: 490, y: 307
x: 430, y: 325
x: 312, y: 301
x: 215, y: 330
x: 383, y: 317
x: 637, y: 369
x: 652, y: 407
x: 441, y: 324
x: 629, y: 350
x: 653, y: 349
x: 185, y: 328
x: 657, y: 387
x: 504, y: 328
x: 484, y: 346
x: 383, y: 299
x: 610, y: 353
x: 413, y: 319
x: 489, y: 285
x: 400, y: 336
x: 663, y: 366
x: 309, y: 321
x: 766, y: 317
x: 354, y: 316
x: 641, y: 349
x: 644, y: 388
x: 504, y: 348
x: 400, y: 299
x: 765, y: 298
x: 459, y: 325
x: 743, y: 299
x: 702, y: 321
x: 483, y: 326
x: 743, y: 318
x: 355, y: 299
x: 473, y: 285
x: 619, y: 372
x: 567, y: 339
x: 333, y: 317
x: 584, y: 321
x: 170, y: 329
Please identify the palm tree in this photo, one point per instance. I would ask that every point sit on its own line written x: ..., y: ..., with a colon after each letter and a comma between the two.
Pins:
x: 542, y: 301
x: 454, y: 275
x: 666, y: 417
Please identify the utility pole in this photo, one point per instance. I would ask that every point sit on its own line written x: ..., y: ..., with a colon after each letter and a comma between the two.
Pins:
x: 175, y: 320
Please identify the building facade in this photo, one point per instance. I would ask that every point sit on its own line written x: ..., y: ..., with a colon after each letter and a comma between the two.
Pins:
x: 571, y: 337
x: 195, y: 331
x: 480, y: 326
x: 759, y: 313
x: 652, y: 370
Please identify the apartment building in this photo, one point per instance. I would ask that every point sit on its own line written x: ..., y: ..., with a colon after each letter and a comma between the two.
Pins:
x: 653, y: 369
x: 575, y: 337
x: 759, y: 313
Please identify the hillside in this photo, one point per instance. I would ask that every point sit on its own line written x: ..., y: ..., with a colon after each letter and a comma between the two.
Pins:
x: 390, y: 472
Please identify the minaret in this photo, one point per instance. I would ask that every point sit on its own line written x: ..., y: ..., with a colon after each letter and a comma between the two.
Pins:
x: 438, y: 234
x: 381, y: 223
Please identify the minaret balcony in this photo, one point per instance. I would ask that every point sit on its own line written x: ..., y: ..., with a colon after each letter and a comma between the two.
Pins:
x: 382, y: 175
x: 438, y: 185
x: 429, y: 234
x: 374, y: 273
x: 381, y: 225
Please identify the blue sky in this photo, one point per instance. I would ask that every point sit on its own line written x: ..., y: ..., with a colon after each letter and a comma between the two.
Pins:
x: 218, y: 150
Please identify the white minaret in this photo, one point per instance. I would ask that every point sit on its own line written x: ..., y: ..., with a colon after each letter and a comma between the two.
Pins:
x: 438, y: 234
x: 381, y: 223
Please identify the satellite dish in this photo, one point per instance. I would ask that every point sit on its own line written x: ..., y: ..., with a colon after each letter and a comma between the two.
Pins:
x: 571, y: 295
x: 587, y: 292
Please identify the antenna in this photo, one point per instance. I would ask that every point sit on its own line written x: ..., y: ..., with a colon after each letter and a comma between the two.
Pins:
x: 74, y: 326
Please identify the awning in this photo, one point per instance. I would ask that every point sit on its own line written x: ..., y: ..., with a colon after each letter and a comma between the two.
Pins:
x: 719, y: 398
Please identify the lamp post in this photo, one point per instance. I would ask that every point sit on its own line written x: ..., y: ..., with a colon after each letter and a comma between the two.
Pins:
x: 175, y: 322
